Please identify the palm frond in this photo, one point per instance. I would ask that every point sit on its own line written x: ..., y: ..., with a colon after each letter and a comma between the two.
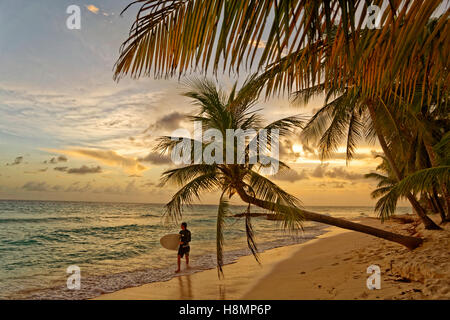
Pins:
x: 423, y: 180
x: 190, y: 191
x: 179, y: 176
x: 386, y: 205
x: 266, y: 190
x: 306, y: 43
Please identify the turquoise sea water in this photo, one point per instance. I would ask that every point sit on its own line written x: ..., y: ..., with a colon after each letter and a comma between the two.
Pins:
x: 116, y: 245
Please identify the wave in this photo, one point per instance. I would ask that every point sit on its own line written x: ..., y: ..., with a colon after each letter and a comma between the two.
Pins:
x: 108, y: 229
x: 43, y: 220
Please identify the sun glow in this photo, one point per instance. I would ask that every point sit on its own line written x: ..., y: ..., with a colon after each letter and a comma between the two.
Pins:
x: 298, y: 148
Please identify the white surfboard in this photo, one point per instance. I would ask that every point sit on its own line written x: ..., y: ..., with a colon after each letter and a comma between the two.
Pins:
x: 170, y: 241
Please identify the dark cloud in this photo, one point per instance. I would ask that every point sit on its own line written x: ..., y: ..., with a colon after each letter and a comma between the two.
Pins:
x: 155, y: 158
x: 56, y: 160
x: 84, y: 170
x: 168, y: 122
x: 319, y: 171
x: 322, y: 170
x: 36, y: 186
x: 340, y: 172
x: 134, y: 176
x: 17, y: 160
x: 81, y: 170
x: 57, y: 188
x: 291, y: 175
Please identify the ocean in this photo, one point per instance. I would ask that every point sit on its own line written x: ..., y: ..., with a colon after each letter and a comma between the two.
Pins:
x: 116, y: 245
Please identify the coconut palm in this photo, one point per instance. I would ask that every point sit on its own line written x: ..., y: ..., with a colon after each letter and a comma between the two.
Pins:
x: 171, y: 37
x: 350, y: 117
x: 220, y: 111
x: 389, y: 190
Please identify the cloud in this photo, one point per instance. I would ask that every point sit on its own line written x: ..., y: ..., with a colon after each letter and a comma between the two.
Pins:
x: 340, y: 172
x: 169, y: 122
x: 84, y: 170
x: 81, y: 170
x: 78, y: 187
x: 155, y: 158
x: 55, y: 160
x: 322, y: 171
x: 319, y: 171
x: 110, y: 158
x: 36, y: 186
x: 17, y: 160
x: 37, y: 171
x: 291, y: 175
x: 92, y: 8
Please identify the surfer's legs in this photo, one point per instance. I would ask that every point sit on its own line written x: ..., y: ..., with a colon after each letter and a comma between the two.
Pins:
x: 179, y: 264
x: 187, y: 260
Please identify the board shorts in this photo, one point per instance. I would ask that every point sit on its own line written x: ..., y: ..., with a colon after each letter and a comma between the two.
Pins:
x: 183, y: 250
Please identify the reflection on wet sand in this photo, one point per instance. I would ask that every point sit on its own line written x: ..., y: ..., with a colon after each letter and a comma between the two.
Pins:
x: 185, y: 285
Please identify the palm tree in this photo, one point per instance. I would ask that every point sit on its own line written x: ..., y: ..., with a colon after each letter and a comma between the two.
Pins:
x: 311, y: 42
x: 348, y: 118
x: 235, y: 111
x: 389, y: 190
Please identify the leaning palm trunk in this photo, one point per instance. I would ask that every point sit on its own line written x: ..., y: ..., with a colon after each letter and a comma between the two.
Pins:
x: 432, y: 156
x: 428, y: 223
x: 409, y: 242
x: 440, y: 208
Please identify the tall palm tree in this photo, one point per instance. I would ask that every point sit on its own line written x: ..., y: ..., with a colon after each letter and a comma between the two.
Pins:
x: 348, y: 118
x: 389, y: 190
x: 236, y: 111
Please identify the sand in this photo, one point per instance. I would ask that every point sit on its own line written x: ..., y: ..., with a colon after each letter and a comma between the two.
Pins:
x: 332, y: 266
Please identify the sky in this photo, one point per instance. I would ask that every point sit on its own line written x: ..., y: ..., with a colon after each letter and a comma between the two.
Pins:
x: 69, y: 132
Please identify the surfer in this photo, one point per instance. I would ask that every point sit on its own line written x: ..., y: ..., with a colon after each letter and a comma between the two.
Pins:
x: 184, y: 248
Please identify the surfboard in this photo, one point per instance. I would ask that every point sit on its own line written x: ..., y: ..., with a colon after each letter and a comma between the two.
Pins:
x: 170, y: 241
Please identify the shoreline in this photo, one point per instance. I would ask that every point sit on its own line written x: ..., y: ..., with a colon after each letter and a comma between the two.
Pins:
x: 205, y: 284
x: 330, y: 266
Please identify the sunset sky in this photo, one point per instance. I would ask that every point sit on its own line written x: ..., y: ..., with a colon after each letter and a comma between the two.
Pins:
x: 69, y: 132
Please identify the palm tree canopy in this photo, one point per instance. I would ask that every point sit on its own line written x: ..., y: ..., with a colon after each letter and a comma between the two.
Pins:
x: 308, y: 42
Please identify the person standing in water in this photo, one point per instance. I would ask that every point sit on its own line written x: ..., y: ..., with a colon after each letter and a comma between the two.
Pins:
x: 184, y: 248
